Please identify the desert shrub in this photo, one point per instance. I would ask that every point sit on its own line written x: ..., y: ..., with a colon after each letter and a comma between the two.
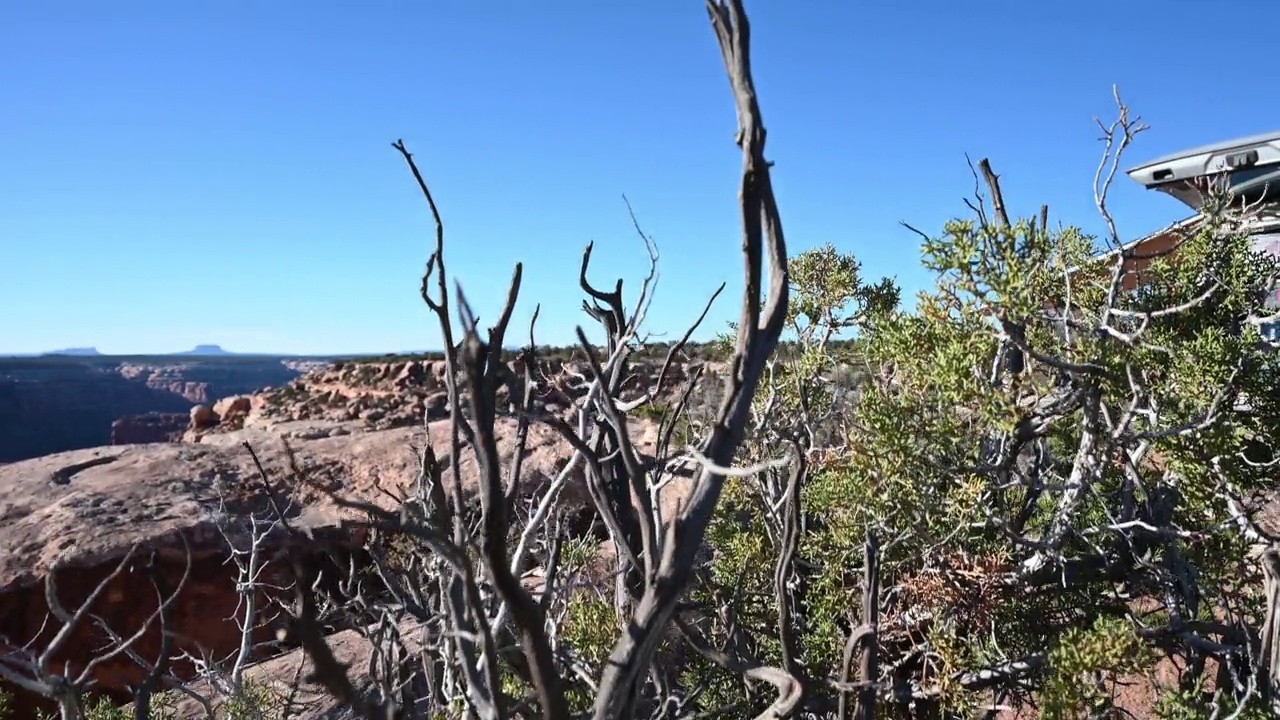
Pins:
x: 803, y: 411
x: 101, y: 707
x: 1059, y: 470
x: 1195, y: 702
x: 1084, y: 665
x: 256, y: 701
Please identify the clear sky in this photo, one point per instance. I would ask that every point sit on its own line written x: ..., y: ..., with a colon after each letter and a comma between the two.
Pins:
x: 174, y: 173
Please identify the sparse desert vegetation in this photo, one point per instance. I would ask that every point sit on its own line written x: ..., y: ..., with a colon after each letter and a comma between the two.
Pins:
x: 1037, y: 493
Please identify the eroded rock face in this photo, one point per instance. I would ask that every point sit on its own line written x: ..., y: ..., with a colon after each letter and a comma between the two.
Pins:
x: 149, y: 428
x: 203, y: 381
x: 84, y: 510
x: 86, y: 507
x: 232, y: 406
x: 202, y: 416
x: 354, y: 432
x: 128, y: 604
x: 204, y: 613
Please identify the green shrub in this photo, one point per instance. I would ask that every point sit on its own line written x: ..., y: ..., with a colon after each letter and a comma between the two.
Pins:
x: 1109, y: 461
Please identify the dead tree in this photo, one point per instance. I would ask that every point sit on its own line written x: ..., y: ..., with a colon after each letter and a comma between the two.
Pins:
x: 251, y: 542
x: 468, y: 595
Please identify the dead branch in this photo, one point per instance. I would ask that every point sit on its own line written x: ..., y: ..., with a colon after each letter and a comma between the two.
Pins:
x: 480, y: 362
x: 758, y: 333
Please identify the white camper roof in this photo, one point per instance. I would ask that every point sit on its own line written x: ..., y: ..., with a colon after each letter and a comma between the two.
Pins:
x: 1250, y: 166
x: 1248, y: 152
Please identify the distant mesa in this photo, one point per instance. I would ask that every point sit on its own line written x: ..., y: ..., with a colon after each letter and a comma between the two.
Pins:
x: 205, y: 351
x: 79, y: 352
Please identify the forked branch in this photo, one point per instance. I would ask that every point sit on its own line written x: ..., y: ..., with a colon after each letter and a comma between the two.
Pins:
x: 758, y: 332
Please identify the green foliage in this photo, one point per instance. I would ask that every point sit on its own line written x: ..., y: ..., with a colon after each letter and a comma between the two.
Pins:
x: 1157, y: 401
x: 828, y: 293
x: 256, y: 701
x: 929, y: 428
x: 684, y: 432
x: 577, y: 554
x: 652, y: 412
x: 590, y: 629
x: 100, y: 707
x: 829, y: 298
x: 1195, y: 703
x: 1085, y: 664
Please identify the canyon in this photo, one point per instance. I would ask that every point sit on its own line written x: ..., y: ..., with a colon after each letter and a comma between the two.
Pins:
x: 51, y: 404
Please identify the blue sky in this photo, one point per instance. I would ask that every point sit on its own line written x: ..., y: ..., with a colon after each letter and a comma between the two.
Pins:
x: 221, y: 172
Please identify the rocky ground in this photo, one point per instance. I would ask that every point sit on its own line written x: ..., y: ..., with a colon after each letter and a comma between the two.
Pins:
x: 354, y: 429
x: 386, y: 395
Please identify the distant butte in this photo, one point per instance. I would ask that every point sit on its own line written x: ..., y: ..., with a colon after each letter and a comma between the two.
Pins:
x: 205, y: 350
